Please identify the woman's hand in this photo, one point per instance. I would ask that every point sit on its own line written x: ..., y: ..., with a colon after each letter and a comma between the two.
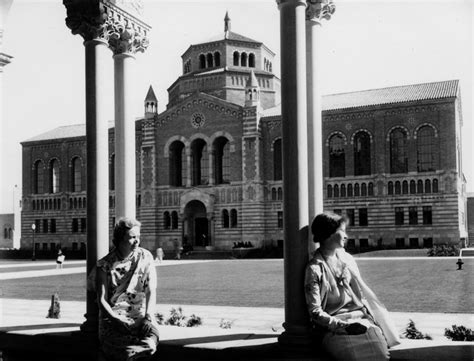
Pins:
x: 147, y: 325
x: 356, y: 329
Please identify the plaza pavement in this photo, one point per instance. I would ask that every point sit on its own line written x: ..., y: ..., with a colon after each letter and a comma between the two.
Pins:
x: 251, y: 327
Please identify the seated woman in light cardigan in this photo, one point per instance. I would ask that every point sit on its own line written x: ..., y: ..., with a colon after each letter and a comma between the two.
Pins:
x: 333, y: 296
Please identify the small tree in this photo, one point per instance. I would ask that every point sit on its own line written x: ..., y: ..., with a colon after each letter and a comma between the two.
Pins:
x: 459, y: 333
x: 413, y: 333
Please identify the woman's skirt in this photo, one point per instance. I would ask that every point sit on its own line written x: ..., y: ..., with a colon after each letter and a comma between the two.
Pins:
x: 370, y: 346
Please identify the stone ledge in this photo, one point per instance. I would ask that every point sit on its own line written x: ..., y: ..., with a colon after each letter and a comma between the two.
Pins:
x: 65, y: 341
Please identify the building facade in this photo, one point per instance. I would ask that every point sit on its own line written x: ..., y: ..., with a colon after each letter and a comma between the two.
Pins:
x: 209, y: 167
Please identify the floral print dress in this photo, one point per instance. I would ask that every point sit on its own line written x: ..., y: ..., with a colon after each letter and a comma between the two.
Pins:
x: 128, y: 282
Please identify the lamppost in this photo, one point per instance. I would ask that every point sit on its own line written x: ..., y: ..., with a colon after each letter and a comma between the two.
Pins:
x: 33, y: 228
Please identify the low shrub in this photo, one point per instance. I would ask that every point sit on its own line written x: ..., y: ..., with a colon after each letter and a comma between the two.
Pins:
x: 177, y: 318
x: 459, y: 333
x: 194, y: 321
x: 225, y: 323
x: 413, y: 333
x: 443, y: 250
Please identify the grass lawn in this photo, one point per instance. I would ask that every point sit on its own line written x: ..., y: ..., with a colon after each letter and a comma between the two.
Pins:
x: 410, y: 285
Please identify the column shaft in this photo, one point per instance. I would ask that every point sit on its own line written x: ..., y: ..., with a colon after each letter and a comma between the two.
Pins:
x: 125, y: 148
x: 211, y: 166
x: 315, y: 144
x: 189, y: 171
x: 295, y: 163
x: 97, y: 55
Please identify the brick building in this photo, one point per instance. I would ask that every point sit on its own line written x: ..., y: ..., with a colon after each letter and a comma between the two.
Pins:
x: 209, y: 167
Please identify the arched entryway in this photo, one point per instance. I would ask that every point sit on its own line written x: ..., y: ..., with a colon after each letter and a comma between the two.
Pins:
x: 196, y: 227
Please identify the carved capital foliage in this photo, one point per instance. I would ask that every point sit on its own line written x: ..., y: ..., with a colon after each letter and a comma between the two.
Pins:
x: 317, y: 10
x: 105, y: 20
x: 127, y: 33
x: 87, y: 18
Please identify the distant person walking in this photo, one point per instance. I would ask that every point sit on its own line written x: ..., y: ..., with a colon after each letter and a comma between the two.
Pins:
x: 60, y: 259
x: 160, y: 254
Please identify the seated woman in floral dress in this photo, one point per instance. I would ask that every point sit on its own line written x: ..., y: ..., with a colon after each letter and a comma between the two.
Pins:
x: 126, y: 291
x: 334, y: 300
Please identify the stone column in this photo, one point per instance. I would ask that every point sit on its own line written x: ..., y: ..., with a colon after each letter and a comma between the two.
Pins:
x: 127, y: 37
x: 189, y: 171
x: 212, y: 157
x: 89, y: 21
x: 316, y: 11
x: 4, y: 60
x: 295, y: 166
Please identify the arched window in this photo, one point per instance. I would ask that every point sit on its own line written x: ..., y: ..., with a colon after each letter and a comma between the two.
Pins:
x: 225, y: 218
x: 277, y: 167
x: 236, y: 58
x: 176, y: 157
x: 243, y: 59
x: 174, y: 220
x: 54, y: 176
x: 336, y: 191
x: 252, y: 60
x: 363, y: 190
x: 398, y: 151
x: 222, y: 160
x: 5, y: 233
x: 425, y: 149
x: 356, y: 190
x: 398, y: 188
x: 427, y: 186
x: 76, y: 174
x: 343, y: 190
x: 405, y: 187
x: 435, y: 185
x: 112, y: 173
x: 210, y: 60
x: 217, y: 59
x: 200, y: 162
x: 233, y: 218
x: 329, y: 191
x: 10, y: 233
x: 419, y: 188
x: 280, y: 193
x: 274, y: 194
x: 166, y: 220
x: 412, y: 187
x: 202, y: 61
x: 362, y: 154
x: 337, y: 162
x: 371, y: 189
x: 349, y: 190
x: 38, y: 176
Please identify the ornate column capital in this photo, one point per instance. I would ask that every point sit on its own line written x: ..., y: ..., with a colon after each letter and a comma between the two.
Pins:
x: 317, y: 10
x: 87, y: 18
x: 4, y: 60
x: 127, y: 33
x: 280, y: 3
x: 112, y: 21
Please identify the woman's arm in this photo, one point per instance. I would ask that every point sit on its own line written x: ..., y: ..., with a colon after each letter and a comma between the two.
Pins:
x: 150, y: 291
x: 313, y: 281
x: 102, y: 287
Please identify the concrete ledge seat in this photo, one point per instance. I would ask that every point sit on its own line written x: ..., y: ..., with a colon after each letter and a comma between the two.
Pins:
x: 66, y: 342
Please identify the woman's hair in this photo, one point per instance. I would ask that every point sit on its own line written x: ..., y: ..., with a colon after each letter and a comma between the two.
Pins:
x: 122, y: 226
x: 325, y: 224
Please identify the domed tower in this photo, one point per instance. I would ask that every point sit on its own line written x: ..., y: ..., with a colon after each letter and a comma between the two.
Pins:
x: 222, y: 66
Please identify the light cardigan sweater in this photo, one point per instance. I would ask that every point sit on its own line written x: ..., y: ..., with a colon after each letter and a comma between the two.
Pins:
x: 319, y: 281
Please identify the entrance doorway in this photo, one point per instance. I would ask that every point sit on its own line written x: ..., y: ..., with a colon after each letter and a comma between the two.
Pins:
x: 196, y: 224
x: 201, y: 235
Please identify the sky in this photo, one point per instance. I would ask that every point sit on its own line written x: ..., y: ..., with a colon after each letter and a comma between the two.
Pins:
x: 366, y: 45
